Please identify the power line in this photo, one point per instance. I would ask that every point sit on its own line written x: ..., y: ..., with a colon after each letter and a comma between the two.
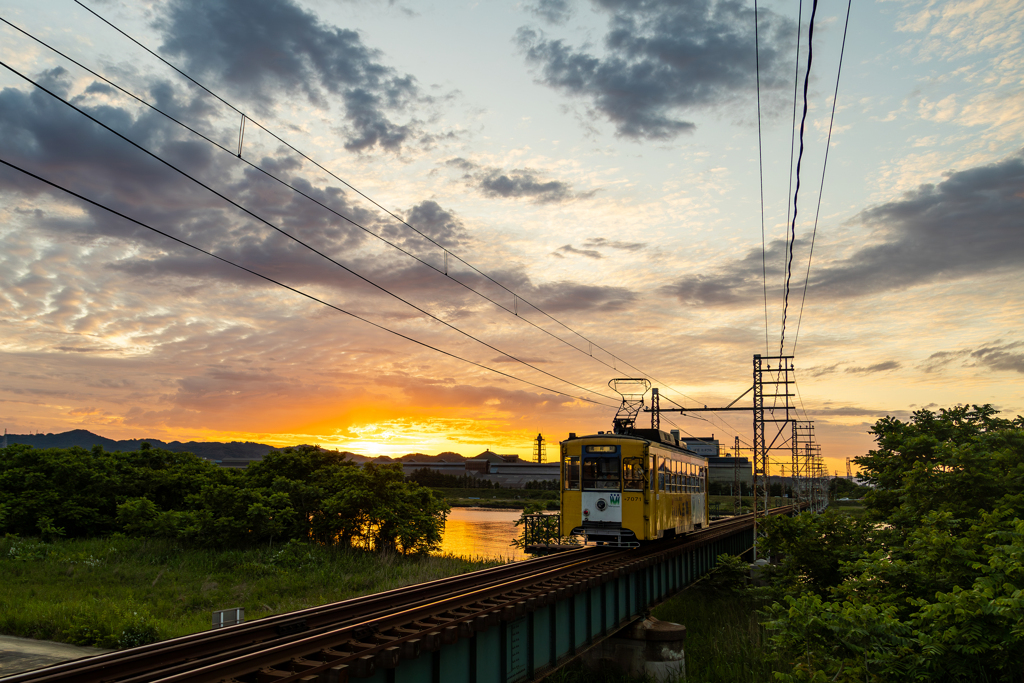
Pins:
x: 760, y: 175
x: 821, y: 188
x: 800, y: 157
x: 792, y: 125
x: 296, y: 239
x: 366, y: 197
x: 246, y: 117
x: 270, y: 175
x: 288, y: 287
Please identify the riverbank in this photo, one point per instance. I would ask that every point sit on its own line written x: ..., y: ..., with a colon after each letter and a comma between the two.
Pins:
x: 498, y: 498
x: 121, y: 592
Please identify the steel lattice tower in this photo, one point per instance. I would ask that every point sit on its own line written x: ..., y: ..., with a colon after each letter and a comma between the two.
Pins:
x: 778, y: 380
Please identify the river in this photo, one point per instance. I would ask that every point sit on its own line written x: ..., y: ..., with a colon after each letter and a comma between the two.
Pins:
x: 482, y: 533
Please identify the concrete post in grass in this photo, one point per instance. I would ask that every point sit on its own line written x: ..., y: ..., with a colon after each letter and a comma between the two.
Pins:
x: 228, y: 617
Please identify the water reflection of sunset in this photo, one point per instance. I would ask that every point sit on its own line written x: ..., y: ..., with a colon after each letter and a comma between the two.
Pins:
x: 481, y: 533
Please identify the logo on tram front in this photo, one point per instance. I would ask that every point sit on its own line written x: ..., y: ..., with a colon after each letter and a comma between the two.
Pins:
x: 614, y: 498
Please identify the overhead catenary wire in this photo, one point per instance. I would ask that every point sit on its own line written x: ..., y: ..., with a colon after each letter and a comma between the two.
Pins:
x: 792, y: 125
x: 394, y: 216
x: 245, y: 118
x: 295, y: 290
x: 799, y: 160
x: 294, y: 238
x: 256, y: 167
x: 397, y: 218
x: 760, y: 176
x: 821, y: 188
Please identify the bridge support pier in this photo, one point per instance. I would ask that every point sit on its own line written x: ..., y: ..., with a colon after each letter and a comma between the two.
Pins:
x: 646, y: 648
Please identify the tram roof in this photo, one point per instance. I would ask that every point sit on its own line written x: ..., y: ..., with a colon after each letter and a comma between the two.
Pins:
x: 648, y: 435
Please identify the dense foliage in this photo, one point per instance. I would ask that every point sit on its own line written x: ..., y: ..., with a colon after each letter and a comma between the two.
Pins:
x: 302, y: 493
x: 846, y: 488
x: 538, y: 527
x: 428, y: 477
x: 930, y: 586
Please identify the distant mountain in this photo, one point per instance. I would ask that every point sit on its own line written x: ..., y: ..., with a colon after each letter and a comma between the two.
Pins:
x: 211, y: 450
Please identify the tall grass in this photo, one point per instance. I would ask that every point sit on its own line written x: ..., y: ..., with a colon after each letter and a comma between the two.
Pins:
x: 853, y: 508
x: 724, y: 641
x: 121, y: 592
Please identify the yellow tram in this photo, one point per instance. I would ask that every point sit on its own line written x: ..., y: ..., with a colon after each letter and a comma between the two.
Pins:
x: 624, y: 488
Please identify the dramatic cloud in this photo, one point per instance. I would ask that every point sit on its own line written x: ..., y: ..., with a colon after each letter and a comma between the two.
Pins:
x: 569, y: 249
x: 559, y: 297
x: 552, y: 11
x: 45, y: 136
x: 439, y: 224
x: 260, y: 49
x: 853, y: 411
x: 877, y: 367
x: 519, y: 183
x: 592, y: 244
x: 661, y: 59
x: 969, y: 224
x: 997, y: 356
x: 601, y: 242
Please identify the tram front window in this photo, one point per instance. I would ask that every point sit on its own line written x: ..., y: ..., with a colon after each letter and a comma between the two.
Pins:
x: 601, y: 474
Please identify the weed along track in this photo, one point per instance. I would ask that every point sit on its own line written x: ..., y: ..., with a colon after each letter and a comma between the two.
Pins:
x: 355, y: 638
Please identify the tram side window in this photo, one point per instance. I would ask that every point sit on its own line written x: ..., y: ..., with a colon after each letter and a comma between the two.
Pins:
x: 632, y: 474
x: 572, y: 474
x: 601, y: 474
x: 662, y: 474
x: 675, y: 476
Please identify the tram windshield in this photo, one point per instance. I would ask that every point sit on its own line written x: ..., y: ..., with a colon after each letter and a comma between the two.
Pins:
x: 601, y: 474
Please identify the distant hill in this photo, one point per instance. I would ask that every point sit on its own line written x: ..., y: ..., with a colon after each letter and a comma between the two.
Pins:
x: 211, y: 450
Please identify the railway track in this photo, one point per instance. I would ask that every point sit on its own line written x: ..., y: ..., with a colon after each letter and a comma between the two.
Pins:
x: 355, y: 637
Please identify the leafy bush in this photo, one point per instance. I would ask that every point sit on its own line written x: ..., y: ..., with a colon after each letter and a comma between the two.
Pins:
x: 302, y: 493
x: 933, y: 588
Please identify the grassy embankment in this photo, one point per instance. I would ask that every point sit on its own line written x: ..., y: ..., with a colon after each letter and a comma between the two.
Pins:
x: 853, y: 508
x: 497, y: 498
x: 724, y: 641
x: 119, y: 592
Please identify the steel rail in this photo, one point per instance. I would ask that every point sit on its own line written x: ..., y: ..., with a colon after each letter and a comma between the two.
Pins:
x: 260, y: 645
x: 300, y: 656
x: 117, y: 665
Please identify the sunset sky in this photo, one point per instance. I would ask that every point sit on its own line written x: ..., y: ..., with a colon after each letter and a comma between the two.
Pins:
x: 597, y: 159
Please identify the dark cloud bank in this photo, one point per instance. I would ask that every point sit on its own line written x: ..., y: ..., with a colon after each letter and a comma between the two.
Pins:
x: 592, y: 245
x: 45, y: 136
x: 998, y: 356
x: 552, y: 11
x: 971, y: 223
x: 518, y: 183
x: 262, y: 50
x: 660, y: 59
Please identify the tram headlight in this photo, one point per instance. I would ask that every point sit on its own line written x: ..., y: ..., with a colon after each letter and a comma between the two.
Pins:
x: 601, y: 504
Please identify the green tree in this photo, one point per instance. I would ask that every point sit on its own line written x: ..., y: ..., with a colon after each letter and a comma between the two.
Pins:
x: 933, y: 590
